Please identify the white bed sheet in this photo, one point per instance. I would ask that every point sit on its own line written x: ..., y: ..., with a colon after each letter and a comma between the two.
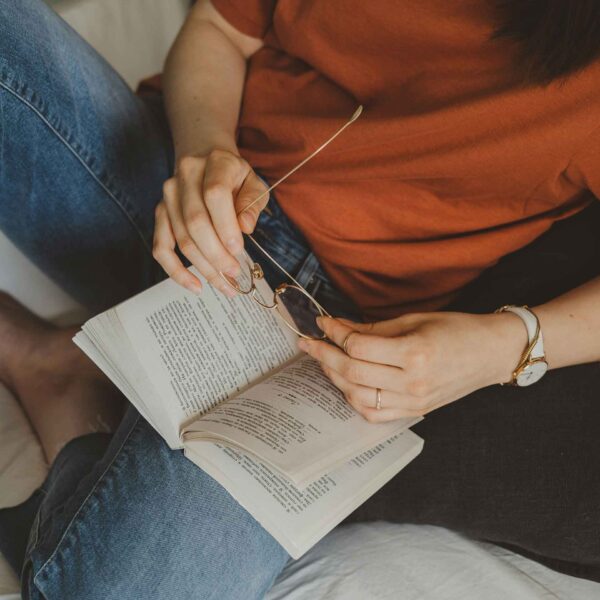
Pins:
x: 410, y: 562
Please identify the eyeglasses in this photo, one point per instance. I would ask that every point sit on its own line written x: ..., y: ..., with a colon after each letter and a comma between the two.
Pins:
x: 298, y: 309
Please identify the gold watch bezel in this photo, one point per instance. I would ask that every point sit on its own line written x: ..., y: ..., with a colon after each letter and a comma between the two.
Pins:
x: 522, y: 367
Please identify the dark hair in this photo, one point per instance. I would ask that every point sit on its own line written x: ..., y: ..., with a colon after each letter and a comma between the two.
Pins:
x: 556, y: 37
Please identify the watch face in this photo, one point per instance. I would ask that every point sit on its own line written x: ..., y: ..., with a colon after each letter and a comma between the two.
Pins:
x: 532, y: 373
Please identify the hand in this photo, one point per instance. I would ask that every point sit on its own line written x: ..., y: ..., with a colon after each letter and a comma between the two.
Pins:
x: 198, y: 213
x: 420, y: 361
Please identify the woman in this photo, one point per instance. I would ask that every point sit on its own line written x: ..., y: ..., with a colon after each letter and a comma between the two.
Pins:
x: 467, y: 184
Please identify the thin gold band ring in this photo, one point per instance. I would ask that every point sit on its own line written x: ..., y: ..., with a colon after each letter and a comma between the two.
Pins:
x: 378, y: 400
x: 345, y: 342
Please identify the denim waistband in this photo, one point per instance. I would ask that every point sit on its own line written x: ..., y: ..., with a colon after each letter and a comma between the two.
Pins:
x: 282, y: 240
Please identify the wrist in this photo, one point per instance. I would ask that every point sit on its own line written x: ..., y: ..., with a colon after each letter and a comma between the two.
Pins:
x: 209, y: 143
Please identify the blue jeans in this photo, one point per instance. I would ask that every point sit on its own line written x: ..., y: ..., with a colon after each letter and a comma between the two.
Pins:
x: 82, y: 165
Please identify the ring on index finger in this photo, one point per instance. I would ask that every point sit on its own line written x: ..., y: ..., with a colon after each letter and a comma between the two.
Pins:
x: 345, y: 342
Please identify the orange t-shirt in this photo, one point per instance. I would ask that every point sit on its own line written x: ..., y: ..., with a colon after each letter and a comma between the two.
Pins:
x: 452, y: 165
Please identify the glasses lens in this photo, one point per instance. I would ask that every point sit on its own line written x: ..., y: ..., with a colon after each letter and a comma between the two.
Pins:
x: 243, y: 283
x: 300, y: 311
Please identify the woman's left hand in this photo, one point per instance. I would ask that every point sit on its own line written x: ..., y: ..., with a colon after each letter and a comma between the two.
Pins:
x: 419, y: 361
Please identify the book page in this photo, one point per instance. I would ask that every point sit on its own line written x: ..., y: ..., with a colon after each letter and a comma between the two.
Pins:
x: 198, y: 350
x: 296, y: 421
x: 105, y: 342
x: 296, y: 518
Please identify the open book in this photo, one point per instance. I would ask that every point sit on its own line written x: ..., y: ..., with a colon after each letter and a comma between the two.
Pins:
x: 222, y: 379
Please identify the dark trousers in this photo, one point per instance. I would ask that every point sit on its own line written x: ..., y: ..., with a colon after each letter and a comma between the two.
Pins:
x: 517, y: 466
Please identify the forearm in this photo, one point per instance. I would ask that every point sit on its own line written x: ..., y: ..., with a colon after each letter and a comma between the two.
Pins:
x: 202, y: 209
x: 571, y: 326
x: 203, y: 82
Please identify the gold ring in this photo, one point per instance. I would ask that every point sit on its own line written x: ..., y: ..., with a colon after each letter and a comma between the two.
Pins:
x: 378, y: 401
x: 345, y: 342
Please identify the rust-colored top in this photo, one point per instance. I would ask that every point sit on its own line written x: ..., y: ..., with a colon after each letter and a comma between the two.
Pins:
x: 452, y: 165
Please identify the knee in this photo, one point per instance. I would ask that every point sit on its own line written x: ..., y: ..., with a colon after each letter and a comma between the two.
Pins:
x: 19, y: 16
x: 157, y: 526
x: 27, y: 31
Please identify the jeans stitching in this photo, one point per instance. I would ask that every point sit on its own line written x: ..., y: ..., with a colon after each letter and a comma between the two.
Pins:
x: 76, y: 149
x: 35, y: 531
x: 86, y: 499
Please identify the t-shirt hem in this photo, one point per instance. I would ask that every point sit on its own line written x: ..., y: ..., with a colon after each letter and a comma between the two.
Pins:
x: 239, y: 20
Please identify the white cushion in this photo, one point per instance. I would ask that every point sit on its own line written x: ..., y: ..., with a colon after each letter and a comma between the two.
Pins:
x: 9, y: 584
x: 133, y: 35
x: 22, y: 464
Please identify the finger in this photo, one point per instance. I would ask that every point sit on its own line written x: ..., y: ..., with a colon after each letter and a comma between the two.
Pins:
x: 393, y: 414
x: 363, y: 400
x: 164, y: 252
x: 252, y: 189
x: 372, y: 348
x: 390, y: 328
x: 190, y: 250
x: 355, y: 370
x: 198, y: 221
x: 223, y: 178
x: 385, y: 415
x: 357, y: 326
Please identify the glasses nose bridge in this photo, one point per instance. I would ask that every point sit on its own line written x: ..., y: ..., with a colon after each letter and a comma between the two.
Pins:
x: 258, y: 300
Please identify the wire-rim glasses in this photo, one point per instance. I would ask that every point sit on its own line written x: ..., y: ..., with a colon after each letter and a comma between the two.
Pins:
x: 297, y: 307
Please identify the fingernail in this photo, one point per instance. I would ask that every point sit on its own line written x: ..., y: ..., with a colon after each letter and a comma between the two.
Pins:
x: 320, y: 323
x: 233, y: 272
x: 234, y: 245
x: 229, y: 292
x: 248, y: 220
x: 195, y: 288
x: 303, y: 345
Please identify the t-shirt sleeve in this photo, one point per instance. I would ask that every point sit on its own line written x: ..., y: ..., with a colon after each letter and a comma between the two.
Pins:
x: 584, y: 168
x: 252, y: 17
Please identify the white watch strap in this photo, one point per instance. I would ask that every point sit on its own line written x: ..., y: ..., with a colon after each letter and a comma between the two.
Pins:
x: 531, y: 323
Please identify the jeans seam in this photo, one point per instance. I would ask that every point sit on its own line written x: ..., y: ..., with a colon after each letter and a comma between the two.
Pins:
x: 35, y: 530
x: 77, y: 154
x: 85, y: 500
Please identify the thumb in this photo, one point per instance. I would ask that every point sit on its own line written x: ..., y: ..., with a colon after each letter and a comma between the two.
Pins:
x: 250, y: 201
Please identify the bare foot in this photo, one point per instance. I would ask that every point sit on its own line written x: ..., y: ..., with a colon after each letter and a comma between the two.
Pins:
x: 61, y: 390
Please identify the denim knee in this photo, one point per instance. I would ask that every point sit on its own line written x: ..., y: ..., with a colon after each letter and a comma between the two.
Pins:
x: 154, y: 525
x: 99, y: 154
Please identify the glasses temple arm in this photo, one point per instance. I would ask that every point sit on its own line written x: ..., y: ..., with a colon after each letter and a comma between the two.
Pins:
x: 355, y: 116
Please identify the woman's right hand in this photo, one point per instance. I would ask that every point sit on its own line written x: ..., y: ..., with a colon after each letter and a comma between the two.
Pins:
x: 198, y: 214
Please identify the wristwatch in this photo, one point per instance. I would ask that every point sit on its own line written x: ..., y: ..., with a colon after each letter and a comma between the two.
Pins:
x: 532, y: 366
